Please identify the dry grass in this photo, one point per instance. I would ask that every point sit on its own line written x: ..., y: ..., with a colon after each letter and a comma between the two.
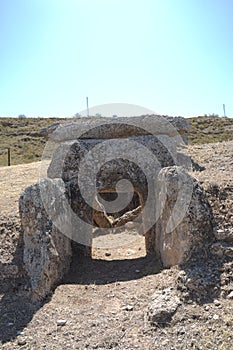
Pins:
x: 210, y: 129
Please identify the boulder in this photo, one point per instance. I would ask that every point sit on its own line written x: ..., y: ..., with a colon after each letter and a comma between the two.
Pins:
x: 47, y: 251
x: 185, y: 223
x: 163, y: 306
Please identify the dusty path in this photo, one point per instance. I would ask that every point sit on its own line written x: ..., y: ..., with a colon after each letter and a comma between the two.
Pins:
x: 13, y: 181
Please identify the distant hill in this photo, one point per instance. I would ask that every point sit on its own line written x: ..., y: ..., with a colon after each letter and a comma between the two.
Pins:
x: 210, y: 129
x: 22, y: 135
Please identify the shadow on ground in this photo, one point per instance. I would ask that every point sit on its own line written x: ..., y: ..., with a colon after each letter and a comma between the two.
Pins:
x: 85, y: 270
x: 17, y: 310
x: 199, y: 281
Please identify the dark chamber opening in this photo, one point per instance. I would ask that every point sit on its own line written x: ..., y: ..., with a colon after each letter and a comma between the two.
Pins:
x: 124, y: 242
x: 111, y: 196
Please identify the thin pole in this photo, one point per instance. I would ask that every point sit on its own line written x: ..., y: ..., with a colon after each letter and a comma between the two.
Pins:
x: 224, y: 110
x: 87, y: 107
x: 9, y: 156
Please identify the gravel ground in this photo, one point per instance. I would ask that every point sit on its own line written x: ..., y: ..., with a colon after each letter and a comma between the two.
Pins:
x: 103, y: 302
x: 217, y: 179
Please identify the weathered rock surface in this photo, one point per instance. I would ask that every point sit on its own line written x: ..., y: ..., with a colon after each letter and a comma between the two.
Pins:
x: 163, y: 306
x: 108, y: 128
x: 115, y: 157
x: 47, y: 252
x: 186, y: 220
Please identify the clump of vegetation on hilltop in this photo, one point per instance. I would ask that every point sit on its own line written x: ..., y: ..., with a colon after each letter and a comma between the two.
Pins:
x: 210, y: 129
x: 22, y: 135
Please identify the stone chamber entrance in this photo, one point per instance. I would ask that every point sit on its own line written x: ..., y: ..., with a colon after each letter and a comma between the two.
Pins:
x: 45, y: 216
x: 126, y: 239
x: 119, y: 255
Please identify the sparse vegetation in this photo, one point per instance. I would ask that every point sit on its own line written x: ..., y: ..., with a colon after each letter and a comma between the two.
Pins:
x: 210, y: 129
x: 22, y: 135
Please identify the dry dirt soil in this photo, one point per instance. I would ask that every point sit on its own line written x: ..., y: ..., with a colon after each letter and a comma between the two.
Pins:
x: 102, y: 303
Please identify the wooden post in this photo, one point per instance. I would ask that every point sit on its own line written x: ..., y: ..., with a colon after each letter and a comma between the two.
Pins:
x: 9, y: 156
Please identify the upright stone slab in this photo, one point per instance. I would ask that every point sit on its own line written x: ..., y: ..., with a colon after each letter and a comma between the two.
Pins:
x: 185, y: 224
x: 47, y: 252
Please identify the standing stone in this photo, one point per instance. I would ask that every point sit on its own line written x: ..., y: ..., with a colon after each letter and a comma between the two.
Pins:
x: 186, y: 220
x: 47, y: 251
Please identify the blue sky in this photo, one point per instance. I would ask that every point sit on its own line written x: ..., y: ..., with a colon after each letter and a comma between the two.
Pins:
x: 171, y: 56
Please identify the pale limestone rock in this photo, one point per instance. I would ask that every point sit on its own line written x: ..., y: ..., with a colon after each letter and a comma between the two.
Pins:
x: 109, y: 128
x: 183, y: 202
x: 163, y: 306
x: 47, y: 252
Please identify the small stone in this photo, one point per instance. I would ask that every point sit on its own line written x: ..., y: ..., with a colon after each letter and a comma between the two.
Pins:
x: 20, y: 332
x: 61, y: 323
x: 217, y: 302
x: 216, y: 317
x: 107, y: 254
x: 21, y: 342
x: 128, y: 307
x: 165, y: 342
x: 230, y: 296
x: 224, y: 235
x: 130, y: 251
x: 130, y: 224
x: 137, y: 271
